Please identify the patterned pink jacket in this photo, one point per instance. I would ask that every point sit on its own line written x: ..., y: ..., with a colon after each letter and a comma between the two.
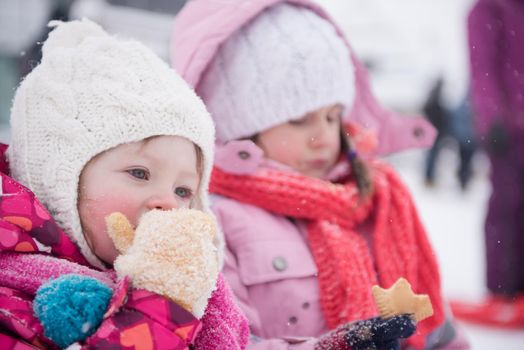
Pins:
x: 34, y: 249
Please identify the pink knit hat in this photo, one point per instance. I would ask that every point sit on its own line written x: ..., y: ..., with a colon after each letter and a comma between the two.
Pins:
x: 284, y: 64
x: 201, y: 28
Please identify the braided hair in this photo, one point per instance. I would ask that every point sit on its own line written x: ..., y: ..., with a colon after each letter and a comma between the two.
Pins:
x: 359, y: 168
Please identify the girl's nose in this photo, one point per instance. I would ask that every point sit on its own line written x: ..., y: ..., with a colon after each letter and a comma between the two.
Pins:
x: 320, y: 137
x: 163, y: 202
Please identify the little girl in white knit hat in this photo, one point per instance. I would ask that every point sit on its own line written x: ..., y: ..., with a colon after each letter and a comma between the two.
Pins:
x: 118, y: 149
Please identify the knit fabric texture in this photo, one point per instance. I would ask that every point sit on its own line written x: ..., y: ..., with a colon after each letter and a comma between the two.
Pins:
x: 14, y: 267
x: 347, y: 269
x: 284, y: 64
x: 90, y: 93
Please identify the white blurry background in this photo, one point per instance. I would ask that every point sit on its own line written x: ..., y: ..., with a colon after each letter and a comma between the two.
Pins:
x: 405, y: 43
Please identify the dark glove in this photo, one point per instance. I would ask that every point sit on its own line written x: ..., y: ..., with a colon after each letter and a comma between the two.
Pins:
x: 498, y: 139
x: 379, y: 333
x: 372, y: 334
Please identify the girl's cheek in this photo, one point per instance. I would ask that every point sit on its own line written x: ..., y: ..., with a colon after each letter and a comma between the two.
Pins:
x: 126, y: 206
x: 96, y: 210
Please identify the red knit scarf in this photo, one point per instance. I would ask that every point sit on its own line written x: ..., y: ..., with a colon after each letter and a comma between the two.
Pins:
x: 346, y: 266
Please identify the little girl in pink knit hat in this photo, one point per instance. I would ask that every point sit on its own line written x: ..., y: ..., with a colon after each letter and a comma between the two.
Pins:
x: 310, y: 223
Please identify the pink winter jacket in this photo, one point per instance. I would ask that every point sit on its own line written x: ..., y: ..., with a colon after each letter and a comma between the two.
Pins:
x: 202, y: 25
x: 34, y: 249
x: 271, y: 270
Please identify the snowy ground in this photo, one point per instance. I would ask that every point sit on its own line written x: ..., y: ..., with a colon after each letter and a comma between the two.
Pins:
x: 454, y: 220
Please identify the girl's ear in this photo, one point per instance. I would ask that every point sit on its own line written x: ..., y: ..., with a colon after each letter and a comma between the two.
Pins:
x: 120, y: 230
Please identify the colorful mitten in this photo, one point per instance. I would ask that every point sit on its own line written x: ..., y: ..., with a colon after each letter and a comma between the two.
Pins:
x: 71, y: 307
x: 171, y: 253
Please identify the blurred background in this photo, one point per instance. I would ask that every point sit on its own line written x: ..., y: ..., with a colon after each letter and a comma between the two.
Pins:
x: 417, y: 55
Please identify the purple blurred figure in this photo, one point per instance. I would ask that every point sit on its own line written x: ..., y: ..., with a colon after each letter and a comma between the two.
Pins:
x: 496, y: 35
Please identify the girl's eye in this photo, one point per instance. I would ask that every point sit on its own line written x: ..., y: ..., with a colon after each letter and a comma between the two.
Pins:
x: 334, y: 117
x: 138, y: 173
x: 183, y: 192
x: 298, y: 121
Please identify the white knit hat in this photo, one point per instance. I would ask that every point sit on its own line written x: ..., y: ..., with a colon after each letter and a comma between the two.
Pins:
x: 90, y: 93
x: 285, y: 63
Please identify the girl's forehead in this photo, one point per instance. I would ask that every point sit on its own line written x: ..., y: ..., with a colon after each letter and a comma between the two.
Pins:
x: 162, y: 150
x: 335, y: 107
x: 153, y: 144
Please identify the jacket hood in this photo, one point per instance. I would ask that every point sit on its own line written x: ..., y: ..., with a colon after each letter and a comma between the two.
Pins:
x: 203, y: 25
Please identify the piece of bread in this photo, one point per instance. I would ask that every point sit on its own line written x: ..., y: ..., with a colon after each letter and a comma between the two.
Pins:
x: 400, y: 299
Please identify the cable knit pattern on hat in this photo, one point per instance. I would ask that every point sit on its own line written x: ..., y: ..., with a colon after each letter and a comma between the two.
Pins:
x: 300, y: 53
x: 92, y: 92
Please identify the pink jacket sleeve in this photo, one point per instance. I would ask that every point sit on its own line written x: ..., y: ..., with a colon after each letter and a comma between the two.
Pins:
x: 223, y: 324
x: 134, y: 317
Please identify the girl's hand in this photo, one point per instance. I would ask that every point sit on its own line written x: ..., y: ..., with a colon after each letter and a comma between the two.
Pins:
x: 372, y: 334
x: 171, y: 253
x: 380, y: 333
